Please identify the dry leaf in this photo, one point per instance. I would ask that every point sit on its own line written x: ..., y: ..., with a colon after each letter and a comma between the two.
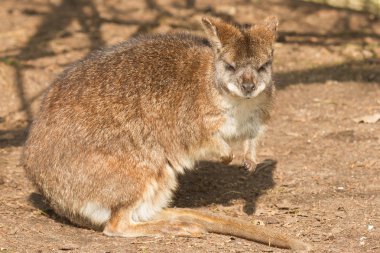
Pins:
x: 368, y: 118
x: 68, y: 247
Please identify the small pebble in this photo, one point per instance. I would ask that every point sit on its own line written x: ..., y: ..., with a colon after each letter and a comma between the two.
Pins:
x: 362, y: 240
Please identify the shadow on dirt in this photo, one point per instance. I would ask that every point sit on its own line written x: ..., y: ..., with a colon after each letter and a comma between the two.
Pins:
x: 214, y: 183
x: 13, y: 138
x: 39, y: 202
x: 356, y: 71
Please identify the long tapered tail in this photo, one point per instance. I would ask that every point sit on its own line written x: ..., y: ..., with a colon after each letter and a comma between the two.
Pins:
x: 234, y: 227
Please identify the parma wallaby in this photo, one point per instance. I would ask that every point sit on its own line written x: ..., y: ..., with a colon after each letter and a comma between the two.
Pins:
x: 115, y: 129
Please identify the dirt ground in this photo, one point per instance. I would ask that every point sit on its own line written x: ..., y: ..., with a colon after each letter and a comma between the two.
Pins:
x: 325, y: 185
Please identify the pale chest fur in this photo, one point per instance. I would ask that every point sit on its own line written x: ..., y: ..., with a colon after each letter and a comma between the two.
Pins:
x: 243, y: 119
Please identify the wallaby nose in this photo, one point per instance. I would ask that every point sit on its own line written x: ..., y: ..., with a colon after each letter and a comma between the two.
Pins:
x: 248, y: 87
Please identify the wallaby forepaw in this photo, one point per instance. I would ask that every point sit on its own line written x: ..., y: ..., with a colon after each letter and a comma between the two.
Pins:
x: 227, y: 159
x: 249, y: 165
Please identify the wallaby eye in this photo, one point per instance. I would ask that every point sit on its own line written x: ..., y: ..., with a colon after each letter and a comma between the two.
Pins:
x: 264, y: 66
x: 229, y: 67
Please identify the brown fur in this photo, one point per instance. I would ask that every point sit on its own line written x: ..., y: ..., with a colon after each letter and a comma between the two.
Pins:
x: 115, y: 129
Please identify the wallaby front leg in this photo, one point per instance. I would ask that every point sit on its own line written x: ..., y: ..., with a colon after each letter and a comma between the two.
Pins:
x: 225, y: 151
x: 249, y: 159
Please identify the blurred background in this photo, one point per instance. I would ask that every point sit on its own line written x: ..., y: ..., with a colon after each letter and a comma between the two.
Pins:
x: 324, y: 135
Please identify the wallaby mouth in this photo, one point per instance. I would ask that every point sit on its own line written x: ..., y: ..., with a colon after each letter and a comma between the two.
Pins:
x: 256, y: 90
x: 243, y: 91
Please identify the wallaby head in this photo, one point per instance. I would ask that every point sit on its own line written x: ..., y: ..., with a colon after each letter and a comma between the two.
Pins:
x: 243, y: 56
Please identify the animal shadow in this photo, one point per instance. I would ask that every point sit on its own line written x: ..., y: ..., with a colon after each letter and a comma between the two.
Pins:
x: 215, y: 183
x: 39, y: 202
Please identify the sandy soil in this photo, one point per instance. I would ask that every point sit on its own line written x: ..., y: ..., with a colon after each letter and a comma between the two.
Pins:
x: 325, y: 186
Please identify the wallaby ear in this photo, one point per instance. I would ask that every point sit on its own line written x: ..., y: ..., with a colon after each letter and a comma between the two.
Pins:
x: 211, y: 32
x: 267, y: 27
x: 271, y: 23
x: 219, y: 32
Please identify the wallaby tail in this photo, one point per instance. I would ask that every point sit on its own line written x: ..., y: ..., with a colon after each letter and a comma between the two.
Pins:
x: 231, y: 226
